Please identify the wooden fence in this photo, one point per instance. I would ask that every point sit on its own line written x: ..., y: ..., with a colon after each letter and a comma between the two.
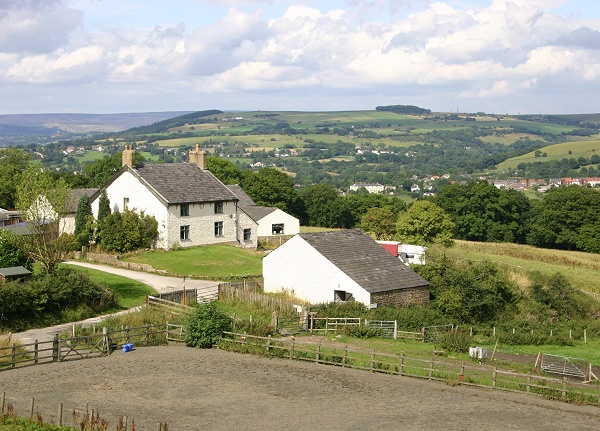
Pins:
x: 467, y: 374
x: 232, y: 293
x: 85, y: 347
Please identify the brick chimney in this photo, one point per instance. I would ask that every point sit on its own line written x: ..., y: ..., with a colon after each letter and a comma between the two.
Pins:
x: 198, y: 157
x: 128, y: 156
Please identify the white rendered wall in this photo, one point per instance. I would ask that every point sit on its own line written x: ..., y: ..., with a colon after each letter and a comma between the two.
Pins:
x: 291, y: 225
x: 296, y: 266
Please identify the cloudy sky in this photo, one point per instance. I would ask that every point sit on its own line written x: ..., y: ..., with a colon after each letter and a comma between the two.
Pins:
x: 110, y: 56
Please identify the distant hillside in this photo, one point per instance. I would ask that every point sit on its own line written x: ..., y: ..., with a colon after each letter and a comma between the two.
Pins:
x: 171, y: 122
x: 50, y: 124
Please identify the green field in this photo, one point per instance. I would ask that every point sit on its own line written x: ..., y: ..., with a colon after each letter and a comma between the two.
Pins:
x: 583, y: 148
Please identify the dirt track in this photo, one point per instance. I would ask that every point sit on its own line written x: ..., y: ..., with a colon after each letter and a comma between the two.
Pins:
x: 194, y: 389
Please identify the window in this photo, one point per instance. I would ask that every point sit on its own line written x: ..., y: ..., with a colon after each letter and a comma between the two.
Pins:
x: 184, y: 210
x: 277, y: 229
x: 125, y: 203
x: 219, y: 228
x: 218, y: 207
x: 184, y: 232
x: 247, y: 234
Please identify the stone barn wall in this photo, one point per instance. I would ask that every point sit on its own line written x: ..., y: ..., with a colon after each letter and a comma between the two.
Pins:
x: 402, y: 297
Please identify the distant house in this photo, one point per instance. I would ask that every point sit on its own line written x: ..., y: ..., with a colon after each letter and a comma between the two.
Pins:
x: 271, y: 221
x: 14, y: 273
x: 345, y: 265
x: 192, y: 207
x: 8, y: 218
x: 370, y: 187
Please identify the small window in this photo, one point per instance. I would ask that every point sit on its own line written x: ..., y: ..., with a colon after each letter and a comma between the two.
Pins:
x: 277, y: 229
x: 218, y: 207
x: 219, y: 228
x: 184, y: 232
x: 184, y: 210
x: 125, y: 203
x: 247, y: 234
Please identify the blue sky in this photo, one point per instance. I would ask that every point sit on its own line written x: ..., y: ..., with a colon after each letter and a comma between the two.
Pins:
x: 109, y: 56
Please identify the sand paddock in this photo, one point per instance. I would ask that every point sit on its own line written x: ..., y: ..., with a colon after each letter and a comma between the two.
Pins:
x: 195, y: 389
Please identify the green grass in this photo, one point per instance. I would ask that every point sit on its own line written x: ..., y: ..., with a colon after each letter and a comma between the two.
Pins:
x: 131, y: 293
x: 211, y: 261
x: 580, y: 148
x: 581, y: 269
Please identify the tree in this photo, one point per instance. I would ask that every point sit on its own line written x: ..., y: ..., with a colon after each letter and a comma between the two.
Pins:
x: 224, y: 170
x: 568, y: 218
x: 273, y: 188
x: 380, y: 222
x: 83, y: 219
x: 98, y: 173
x: 325, y: 207
x: 103, y: 205
x: 425, y: 223
x: 11, y: 253
x: 43, y: 201
x: 13, y: 163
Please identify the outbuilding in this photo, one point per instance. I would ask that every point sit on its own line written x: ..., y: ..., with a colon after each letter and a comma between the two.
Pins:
x: 14, y: 273
x: 339, y: 266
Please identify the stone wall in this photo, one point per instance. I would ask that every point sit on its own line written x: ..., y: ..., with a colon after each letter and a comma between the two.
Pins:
x: 113, y: 260
x: 402, y: 297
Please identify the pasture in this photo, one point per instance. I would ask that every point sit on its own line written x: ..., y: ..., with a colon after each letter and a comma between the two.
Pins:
x: 579, y: 148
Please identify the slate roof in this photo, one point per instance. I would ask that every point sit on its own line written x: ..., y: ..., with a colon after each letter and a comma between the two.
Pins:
x: 256, y: 213
x: 176, y: 183
x: 245, y: 199
x: 363, y: 260
x: 76, y: 195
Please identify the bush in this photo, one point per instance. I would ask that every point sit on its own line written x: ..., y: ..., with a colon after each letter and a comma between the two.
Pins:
x: 455, y: 341
x: 205, y: 325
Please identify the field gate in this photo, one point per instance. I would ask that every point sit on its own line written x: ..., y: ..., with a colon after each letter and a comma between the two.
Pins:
x: 565, y: 366
x: 389, y: 328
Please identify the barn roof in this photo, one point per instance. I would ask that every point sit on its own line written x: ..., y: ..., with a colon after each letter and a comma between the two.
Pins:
x: 256, y: 213
x: 363, y: 260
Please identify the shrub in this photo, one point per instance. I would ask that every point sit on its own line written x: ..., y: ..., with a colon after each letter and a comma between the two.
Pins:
x: 205, y: 324
x: 455, y: 341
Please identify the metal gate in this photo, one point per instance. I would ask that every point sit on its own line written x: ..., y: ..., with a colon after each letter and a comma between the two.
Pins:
x: 564, y: 365
x: 389, y: 328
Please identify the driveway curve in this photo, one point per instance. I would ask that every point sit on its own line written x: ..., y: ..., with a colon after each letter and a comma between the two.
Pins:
x: 160, y: 283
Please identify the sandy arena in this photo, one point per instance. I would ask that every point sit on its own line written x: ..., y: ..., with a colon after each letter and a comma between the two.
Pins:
x: 195, y: 389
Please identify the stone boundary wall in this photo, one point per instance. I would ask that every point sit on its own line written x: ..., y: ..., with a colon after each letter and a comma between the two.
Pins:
x: 113, y: 260
x: 402, y: 297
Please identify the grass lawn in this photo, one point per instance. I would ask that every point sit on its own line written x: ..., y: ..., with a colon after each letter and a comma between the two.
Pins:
x: 211, y: 261
x: 131, y: 293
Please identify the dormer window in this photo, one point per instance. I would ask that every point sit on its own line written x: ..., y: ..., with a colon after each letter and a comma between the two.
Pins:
x: 184, y: 210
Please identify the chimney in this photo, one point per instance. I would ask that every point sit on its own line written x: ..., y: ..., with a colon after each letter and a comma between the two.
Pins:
x: 128, y: 156
x: 198, y: 157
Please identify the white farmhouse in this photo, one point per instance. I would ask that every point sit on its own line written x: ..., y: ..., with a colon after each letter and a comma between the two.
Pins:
x: 192, y: 207
x: 345, y: 265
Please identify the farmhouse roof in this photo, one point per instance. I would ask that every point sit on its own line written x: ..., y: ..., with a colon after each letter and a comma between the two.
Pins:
x: 245, y: 199
x: 362, y: 259
x: 76, y: 195
x: 256, y: 212
x: 177, y: 183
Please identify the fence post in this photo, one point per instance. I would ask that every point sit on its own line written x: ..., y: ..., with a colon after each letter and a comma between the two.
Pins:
x: 3, y: 400
x: 318, y: 356
x: 147, y: 334
x: 431, y: 370
x: 395, y: 329
x: 35, y: 352
x: 106, y: 339
x: 60, y: 415
x: 528, y: 387
x: 127, y: 335
x: 494, y: 374
x: 275, y: 320
x: 564, y: 387
x: 423, y: 334
x: 345, y: 355
x: 585, y: 335
x: 402, y: 364
x: 56, y: 349
x: 31, y: 408
x: 13, y: 356
x: 292, y: 348
x: 167, y: 331
x: 269, y: 342
x: 372, y: 361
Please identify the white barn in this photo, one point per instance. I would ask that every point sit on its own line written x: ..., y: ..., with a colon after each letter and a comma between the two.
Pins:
x: 345, y: 265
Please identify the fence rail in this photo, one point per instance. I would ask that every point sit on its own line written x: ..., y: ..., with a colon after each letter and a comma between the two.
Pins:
x: 430, y: 369
x: 84, y: 347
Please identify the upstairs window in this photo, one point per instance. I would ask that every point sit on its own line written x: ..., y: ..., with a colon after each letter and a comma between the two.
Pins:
x: 218, y: 207
x: 125, y: 203
x: 184, y: 210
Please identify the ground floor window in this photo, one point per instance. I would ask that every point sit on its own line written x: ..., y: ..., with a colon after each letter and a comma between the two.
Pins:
x: 342, y: 296
x: 277, y: 228
x: 219, y: 228
x: 247, y: 234
x: 184, y: 232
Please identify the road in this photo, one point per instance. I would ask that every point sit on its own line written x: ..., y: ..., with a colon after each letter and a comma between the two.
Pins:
x: 161, y: 284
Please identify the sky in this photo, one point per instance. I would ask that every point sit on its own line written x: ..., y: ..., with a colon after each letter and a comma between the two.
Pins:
x: 115, y: 56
